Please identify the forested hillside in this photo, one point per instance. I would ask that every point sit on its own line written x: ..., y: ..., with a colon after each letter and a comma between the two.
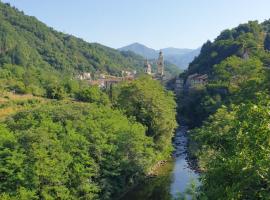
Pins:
x: 28, y: 42
x: 231, y: 113
x: 38, y: 60
x: 61, y: 138
x: 236, y: 58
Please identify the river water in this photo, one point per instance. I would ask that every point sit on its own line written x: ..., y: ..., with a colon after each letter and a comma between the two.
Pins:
x: 172, y: 179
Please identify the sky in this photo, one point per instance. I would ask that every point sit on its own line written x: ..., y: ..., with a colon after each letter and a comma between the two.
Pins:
x: 154, y: 23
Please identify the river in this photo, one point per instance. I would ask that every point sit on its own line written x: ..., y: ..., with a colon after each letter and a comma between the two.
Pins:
x: 172, y: 178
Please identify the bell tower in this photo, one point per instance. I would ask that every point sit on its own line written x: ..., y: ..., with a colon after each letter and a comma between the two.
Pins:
x: 160, y: 64
x: 147, y: 67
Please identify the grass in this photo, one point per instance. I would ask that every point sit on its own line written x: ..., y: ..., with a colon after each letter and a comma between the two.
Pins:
x: 11, y: 103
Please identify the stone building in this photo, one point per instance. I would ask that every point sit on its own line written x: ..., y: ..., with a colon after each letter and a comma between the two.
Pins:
x: 159, y: 74
x: 147, y: 67
x: 160, y: 65
x: 195, y: 80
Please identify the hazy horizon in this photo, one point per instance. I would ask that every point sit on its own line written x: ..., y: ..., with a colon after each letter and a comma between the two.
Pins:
x: 156, y: 24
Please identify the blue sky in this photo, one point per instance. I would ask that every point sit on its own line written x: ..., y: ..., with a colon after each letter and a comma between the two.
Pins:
x: 155, y: 23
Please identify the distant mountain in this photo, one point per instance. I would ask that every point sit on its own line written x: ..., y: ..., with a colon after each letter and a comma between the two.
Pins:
x: 179, y: 57
x: 141, y: 50
x: 175, y: 51
x: 183, y: 60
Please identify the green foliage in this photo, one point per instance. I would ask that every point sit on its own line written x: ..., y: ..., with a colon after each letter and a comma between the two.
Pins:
x: 199, y: 104
x: 33, y: 56
x: 233, y: 142
x: 236, y: 42
x: 22, y: 194
x: 39, y: 82
x: 234, y: 71
x: 68, y: 149
x: 236, y: 64
x: 235, y: 152
x: 27, y: 42
x: 153, y: 106
x: 93, y: 95
x: 55, y: 92
x: 190, y: 193
x: 71, y: 151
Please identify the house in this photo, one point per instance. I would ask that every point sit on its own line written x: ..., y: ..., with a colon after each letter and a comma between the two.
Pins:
x: 195, y: 80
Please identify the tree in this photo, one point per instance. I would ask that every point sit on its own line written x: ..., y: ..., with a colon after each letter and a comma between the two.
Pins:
x: 93, y: 94
x: 234, y: 152
x: 153, y: 106
x: 72, y: 151
x: 55, y: 91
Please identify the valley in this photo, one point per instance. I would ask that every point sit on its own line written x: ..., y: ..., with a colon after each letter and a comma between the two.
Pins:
x: 80, y: 120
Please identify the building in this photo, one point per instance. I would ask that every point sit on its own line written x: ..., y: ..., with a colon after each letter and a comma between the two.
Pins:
x: 159, y: 75
x: 147, y: 67
x: 107, y: 81
x: 195, y: 80
x: 160, y: 65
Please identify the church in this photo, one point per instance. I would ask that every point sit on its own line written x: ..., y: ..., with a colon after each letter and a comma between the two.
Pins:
x: 159, y: 75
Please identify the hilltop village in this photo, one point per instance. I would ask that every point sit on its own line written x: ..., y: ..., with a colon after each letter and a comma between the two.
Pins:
x: 105, y: 81
x: 192, y: 82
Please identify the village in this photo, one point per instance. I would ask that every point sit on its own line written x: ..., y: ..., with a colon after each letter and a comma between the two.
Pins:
x: 105, y: 81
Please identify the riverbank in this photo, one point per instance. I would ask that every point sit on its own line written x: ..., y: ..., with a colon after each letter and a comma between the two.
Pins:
x: 169, y: 178
x: 154, y: 171
x: 153, y: 188
x: 161, y: 168
x: 192, y: 153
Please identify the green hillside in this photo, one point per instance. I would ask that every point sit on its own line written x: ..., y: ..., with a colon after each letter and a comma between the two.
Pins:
x: 61, y: 138
x: 231, y: 143
x: 28, y: 42
x: 36, y: 59
x: 249, y: 38
x: 235, y: 57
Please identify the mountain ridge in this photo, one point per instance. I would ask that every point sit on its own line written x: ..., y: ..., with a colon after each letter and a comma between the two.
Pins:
x: 26, y: 41
x: 180, y: 57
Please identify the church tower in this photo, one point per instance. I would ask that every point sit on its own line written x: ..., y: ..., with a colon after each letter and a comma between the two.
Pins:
x: 160, y: 64
x: 147, y: 67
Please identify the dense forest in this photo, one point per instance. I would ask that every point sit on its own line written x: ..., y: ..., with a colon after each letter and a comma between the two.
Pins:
x: 61, y: 138
x: 35, y: 58
x: 91, y: 147
x: 231, y: 114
